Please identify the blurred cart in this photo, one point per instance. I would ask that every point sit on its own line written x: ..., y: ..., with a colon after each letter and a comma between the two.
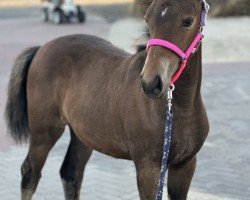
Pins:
x: 61, y: 11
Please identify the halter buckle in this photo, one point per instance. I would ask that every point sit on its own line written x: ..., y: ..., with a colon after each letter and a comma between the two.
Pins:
x: 197, y: 46
x: 194, y: 50
x: 206, y: 6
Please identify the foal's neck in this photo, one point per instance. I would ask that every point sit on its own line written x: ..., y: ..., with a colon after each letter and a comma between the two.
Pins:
x: 187, y: 92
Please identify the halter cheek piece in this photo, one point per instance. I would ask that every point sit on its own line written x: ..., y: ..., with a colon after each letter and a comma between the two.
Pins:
x: 191, y: 49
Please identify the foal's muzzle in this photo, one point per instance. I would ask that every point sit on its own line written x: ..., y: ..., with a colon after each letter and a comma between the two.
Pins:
x: 154, y: 88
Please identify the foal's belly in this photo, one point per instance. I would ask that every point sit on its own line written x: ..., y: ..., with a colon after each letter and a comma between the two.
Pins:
x: 102, y: 140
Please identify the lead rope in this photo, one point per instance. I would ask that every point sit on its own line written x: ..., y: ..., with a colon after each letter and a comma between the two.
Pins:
x: 166, y: 145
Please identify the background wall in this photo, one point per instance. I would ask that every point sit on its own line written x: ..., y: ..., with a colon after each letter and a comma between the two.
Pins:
x: 229, y: 7
x: 218, y: 7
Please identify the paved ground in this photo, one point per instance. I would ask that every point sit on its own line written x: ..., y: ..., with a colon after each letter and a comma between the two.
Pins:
x: 222, y: 171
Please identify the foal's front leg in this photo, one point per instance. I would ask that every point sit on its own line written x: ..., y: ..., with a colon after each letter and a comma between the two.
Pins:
x: 147, y: 179
x: 179, y: 180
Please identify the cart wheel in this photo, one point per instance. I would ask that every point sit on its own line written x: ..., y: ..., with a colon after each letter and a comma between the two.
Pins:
x: 58, y: 17
x: 45, y: 15
x: 80, y: 15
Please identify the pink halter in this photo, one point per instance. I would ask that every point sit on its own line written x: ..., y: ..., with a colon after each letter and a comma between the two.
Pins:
x: 191, y: 49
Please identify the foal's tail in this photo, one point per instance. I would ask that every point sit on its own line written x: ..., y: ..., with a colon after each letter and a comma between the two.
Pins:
x: 16, y: 111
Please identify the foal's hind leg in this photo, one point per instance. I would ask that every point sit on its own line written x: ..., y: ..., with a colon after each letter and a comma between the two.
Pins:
x: 73, y: 167
x: 179, y: 180
x: 41, y: 141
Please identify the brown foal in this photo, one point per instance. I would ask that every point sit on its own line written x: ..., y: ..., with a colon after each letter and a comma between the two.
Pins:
x: 102, y: 93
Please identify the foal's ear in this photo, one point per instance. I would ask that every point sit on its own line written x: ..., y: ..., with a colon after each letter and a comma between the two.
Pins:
x: 146, y: 35
x: 146, y: 3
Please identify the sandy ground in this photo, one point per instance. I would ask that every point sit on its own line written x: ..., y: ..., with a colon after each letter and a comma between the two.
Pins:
x: 226, y: 40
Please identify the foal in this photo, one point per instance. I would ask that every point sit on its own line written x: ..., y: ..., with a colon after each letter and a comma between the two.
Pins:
x: 95, y: 88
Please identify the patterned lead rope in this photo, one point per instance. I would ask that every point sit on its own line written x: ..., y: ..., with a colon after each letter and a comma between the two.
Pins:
x: 166, y: 147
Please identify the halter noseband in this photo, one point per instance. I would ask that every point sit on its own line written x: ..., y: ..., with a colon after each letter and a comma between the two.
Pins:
x: 191, y: 49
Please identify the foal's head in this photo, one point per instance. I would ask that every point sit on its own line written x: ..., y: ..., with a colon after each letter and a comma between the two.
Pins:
x: 178, y: 22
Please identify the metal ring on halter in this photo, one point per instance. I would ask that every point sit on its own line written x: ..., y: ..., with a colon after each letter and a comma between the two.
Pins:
x: 184, y: 58
x: 171, y: 87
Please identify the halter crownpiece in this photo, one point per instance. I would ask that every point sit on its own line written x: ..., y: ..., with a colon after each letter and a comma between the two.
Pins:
x: 191, y: 49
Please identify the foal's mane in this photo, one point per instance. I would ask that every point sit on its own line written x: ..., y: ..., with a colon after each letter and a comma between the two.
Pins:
x: 145, y: 3
x: 146, y: 36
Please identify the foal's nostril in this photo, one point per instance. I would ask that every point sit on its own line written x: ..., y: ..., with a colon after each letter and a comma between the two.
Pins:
x: 158, y: 86
x: 154, y: 88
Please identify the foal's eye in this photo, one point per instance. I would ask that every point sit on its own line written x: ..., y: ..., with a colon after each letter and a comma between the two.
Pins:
x: 188, y: 23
